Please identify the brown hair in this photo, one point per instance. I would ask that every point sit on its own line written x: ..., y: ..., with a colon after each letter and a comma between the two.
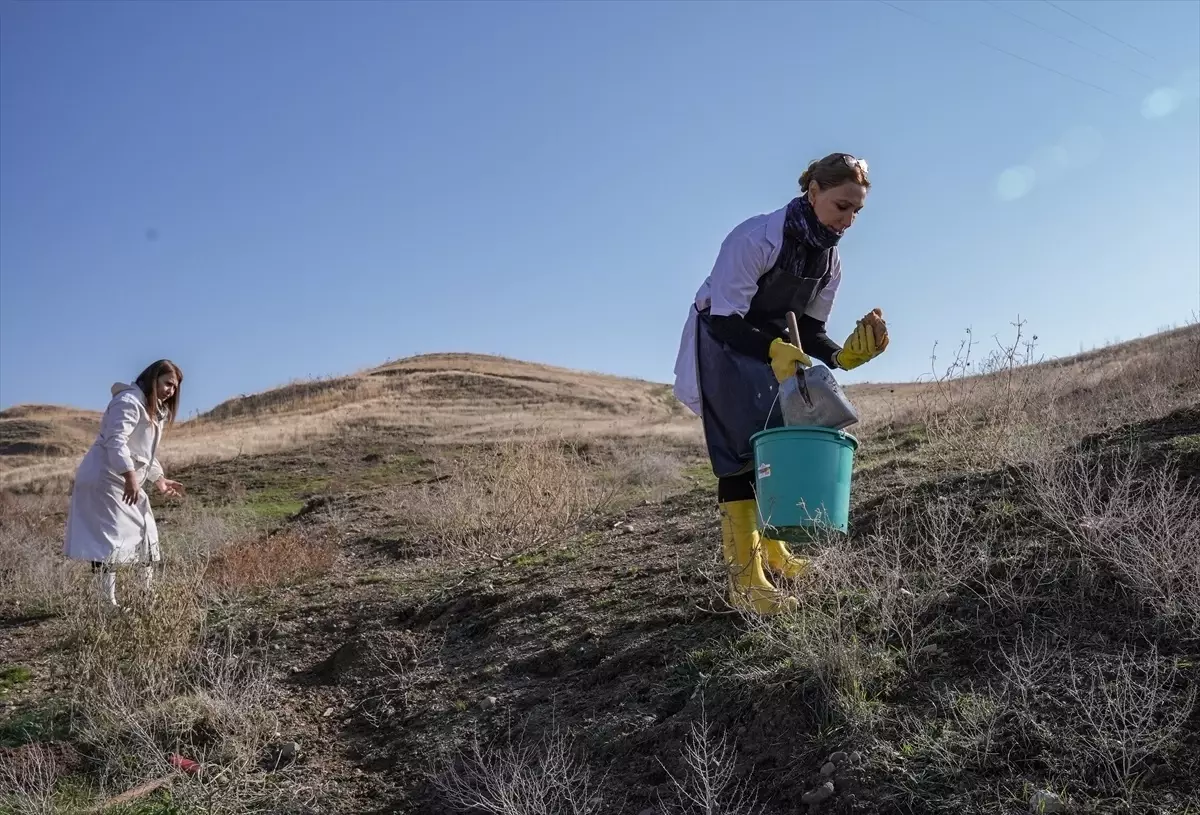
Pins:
x: 833, y: 170
x: 148, y: 381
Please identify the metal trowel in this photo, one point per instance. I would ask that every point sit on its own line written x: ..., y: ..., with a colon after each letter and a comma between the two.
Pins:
x: 812, y: 397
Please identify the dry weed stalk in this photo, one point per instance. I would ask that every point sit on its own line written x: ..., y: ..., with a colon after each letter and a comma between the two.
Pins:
x: 709, y: 786
x: 1010, y: 407
x: 28, y: 777
x: 543, y: 779
x: 978, y: 412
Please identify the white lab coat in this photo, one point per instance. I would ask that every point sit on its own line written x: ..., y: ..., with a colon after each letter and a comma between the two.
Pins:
x: 100, y: 525
x: 746, y: 254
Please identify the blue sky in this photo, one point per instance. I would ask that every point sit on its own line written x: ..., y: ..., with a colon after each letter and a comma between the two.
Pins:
x: 271, y: 191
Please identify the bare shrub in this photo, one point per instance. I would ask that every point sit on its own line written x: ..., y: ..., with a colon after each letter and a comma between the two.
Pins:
x: 546, y: 778
x: 1128, y: 712
x: 268, y: 560
x: 516, y: 496
x: 1119, y: 712
x: 28, y: 777
x: 868, y: 610
x: 961, y: 737
x: 709, y: 785
x: 396, y: 661
x: 1142, y: 524
x: 205, y: 702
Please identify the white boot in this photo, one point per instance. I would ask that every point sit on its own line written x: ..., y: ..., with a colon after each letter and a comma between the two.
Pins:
x: 147, y: 576
x: 108, y: 588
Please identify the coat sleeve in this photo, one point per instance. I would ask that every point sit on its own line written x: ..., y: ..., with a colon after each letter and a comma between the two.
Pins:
x: 743, y: 259
x: 119, y: 422
x: 740, y: 262
x: 816, y: 341
x: 155, y: 472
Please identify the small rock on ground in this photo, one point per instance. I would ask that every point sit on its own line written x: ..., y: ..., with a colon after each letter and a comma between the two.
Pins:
x: 829, y: 769
x: 819, y: 795
x: 838, y: 757
x: 1043, y: 803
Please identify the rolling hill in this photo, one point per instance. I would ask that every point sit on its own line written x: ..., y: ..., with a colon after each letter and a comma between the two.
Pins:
x: 438, y: 399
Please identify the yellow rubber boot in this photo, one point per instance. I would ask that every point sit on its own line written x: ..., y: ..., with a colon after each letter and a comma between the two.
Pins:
x: 749, y: 588
x: 780, y: 559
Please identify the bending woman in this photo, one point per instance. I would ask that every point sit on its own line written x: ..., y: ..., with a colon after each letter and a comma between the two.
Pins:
x: 735, y: 351
x: 109, y: 522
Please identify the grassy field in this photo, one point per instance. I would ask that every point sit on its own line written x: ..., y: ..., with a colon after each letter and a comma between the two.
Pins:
x: 467, y: 584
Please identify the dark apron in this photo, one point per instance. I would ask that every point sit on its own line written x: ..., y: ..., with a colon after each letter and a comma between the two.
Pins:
x: 738, y: 392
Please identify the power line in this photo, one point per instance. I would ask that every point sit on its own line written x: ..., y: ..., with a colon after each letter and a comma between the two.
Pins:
x: 1006, y: 52
x: 1097, y: 28
x: 1068, y: 40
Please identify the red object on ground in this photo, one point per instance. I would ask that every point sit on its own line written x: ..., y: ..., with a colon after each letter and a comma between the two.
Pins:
x: 186, y: 764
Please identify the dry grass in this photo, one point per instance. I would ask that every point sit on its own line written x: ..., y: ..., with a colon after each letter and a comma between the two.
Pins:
x: 980, y: 410
x: 1007, y: 407
x: 154, y: 679
x: 268, y: 561
x: 37, y: 579
x: 510, y: 498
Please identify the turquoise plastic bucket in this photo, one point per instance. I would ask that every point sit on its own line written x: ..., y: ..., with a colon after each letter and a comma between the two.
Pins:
x: 803, y: 481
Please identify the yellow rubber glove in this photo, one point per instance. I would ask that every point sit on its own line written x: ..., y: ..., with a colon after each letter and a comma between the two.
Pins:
x: 868, y: 340
x: 784, y: 357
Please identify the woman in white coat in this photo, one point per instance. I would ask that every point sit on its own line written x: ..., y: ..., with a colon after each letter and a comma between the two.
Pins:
x: 736, y: 348
x: 109, y: 522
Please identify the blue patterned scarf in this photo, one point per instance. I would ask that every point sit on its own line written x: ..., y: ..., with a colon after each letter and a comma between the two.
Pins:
x: 801, y: 222
x: 808, y: 245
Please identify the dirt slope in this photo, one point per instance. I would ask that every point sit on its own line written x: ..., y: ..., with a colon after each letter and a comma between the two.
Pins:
x: 994, y: 625
x: 617, y: 636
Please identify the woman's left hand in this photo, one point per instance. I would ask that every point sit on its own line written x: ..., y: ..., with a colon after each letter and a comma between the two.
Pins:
x: 868, y: 340
x: 169, y: 487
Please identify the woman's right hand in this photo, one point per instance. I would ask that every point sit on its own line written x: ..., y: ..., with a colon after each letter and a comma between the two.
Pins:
x: 132, y: 489
x: 785, y: 357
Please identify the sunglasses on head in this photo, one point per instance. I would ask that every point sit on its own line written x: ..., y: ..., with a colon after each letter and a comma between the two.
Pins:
x: 851, y: 161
